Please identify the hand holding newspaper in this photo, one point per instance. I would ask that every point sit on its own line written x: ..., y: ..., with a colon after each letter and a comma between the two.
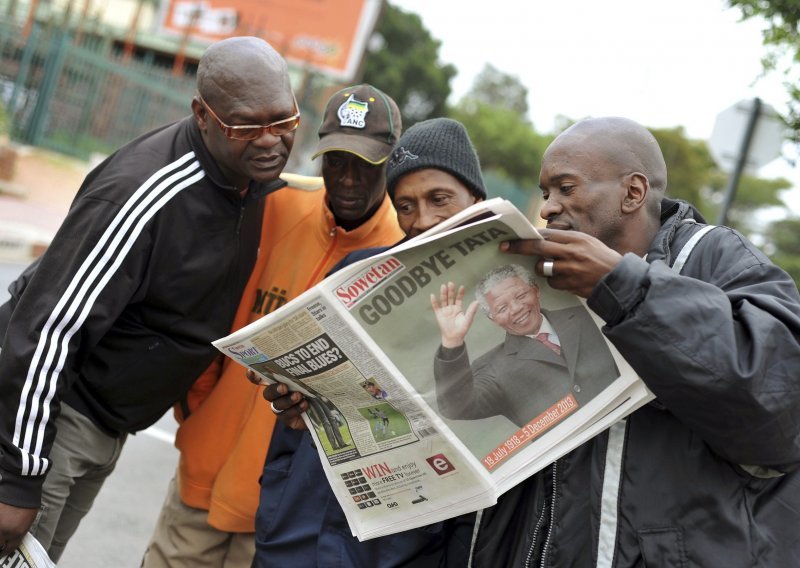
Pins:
x: 425, y: 403
x: 29, y: 554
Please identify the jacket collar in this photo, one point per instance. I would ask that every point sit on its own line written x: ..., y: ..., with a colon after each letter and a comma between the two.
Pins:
x: 521, y: 347
x: 383, y: 220
x: 675, y: 214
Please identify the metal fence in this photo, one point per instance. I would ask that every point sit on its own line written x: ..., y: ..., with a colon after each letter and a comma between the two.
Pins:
x: 80, y: 98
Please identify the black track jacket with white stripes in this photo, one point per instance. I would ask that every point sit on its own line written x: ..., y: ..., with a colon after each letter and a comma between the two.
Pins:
x: 146, y: 270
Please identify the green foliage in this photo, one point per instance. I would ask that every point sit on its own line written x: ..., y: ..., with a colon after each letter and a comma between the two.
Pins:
x: 755, y: 193
x: 5, y: 122
x: 499, y: 185
x: 785, y: 246
x: 782, y: 40
x: 494, y: 112
x: 493, y: 87
x: 690, y: 167
x: 504, y: 141
x: 407, y: 66
x: 694, y: 176
x: 783, y: 235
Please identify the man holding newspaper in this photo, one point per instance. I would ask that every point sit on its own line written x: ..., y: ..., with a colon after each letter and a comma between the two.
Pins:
x: 707, y: 474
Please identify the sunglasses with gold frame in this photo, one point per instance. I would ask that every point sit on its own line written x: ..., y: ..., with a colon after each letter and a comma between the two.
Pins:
x: 253, y: 131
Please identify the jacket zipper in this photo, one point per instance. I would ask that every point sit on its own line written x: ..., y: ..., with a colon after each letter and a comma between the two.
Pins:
x: 532, y: 549
x: 529, y: 556
x: 235, y: 301
x: 552, y: 514
x: 184, y: 402
x: 241, y: 215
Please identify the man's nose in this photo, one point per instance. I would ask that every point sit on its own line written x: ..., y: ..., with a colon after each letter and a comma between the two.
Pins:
x: 550, y: 208
x: 266, y: 140
x: 349, y: 175
x: 426, y: 218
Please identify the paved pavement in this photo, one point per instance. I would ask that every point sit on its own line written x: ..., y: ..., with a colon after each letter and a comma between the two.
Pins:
x: 115, y: 532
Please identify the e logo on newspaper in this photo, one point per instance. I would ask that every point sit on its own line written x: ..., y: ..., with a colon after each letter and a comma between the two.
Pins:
x: 440, y: 464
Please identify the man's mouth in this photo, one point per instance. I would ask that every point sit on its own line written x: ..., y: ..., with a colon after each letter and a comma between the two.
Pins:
x: 268, y: 162
x: 346, y: 202
x: 523, y: 319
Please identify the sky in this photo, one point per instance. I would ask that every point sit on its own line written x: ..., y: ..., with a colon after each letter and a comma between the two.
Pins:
x: 663, y: 64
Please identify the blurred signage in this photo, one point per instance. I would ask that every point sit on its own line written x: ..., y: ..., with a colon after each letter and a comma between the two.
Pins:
x: 327, y: 35
x: 727, y: 141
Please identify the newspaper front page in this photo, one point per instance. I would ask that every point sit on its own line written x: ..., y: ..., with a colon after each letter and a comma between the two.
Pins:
x: 411, y: 433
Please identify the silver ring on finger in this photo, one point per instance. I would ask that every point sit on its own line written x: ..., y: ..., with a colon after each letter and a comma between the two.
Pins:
x: 547, y: 268
x: 275, y: 410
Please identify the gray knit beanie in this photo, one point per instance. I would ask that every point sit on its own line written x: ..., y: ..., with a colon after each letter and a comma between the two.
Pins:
x: 439, y: 143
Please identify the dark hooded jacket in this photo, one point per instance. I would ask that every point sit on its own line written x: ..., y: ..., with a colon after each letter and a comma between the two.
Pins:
x: 707, y: 474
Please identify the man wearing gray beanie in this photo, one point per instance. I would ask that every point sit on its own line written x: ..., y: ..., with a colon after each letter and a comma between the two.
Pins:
x: 441, y: 144
x: 432, y: 174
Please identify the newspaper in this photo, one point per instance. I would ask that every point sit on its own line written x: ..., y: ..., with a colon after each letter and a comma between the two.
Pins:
x: 407, y: 435
x: 29, y: 554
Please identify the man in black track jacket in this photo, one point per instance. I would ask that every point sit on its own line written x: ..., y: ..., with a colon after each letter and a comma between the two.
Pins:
x: 147, y: 269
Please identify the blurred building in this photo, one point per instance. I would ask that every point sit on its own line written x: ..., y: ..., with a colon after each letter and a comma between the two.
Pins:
x: 154, y: 47
x: 83, y: 77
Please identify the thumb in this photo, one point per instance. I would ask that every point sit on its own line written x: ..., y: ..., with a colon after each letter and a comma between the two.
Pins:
x: 471, y: 311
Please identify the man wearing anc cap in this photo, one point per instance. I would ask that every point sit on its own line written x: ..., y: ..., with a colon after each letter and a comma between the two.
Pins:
x: 208, y: 517
x: 360, y: 128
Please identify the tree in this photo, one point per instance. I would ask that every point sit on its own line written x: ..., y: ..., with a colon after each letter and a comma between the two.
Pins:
x: 494, y: 112
x: 406, y: 65
x: 782, y: 39
x: 504, y: 142
x: 690, y: 167
x: 753, y: 193
x: 784, y: 246
x: 694, y: 177
x: 495, y: 88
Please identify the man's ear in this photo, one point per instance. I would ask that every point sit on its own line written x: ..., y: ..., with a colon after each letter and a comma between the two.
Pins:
x: 200, y: 115
x: 637, y: 187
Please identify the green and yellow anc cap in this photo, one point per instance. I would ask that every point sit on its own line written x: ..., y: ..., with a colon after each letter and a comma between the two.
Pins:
x: 362, y: 120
